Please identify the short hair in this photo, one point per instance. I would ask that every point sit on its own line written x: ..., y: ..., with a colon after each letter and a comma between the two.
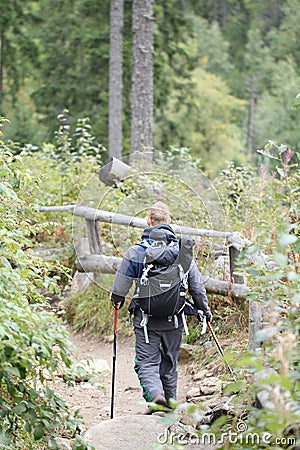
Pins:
x: 159, y: 213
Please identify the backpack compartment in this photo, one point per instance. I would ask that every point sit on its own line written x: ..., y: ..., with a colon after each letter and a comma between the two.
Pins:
x: 161, y: 288
x: 160, y: 296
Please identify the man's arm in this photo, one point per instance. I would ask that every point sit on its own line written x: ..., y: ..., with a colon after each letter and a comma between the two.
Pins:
x: 197, y: 290
x: 124, y: 277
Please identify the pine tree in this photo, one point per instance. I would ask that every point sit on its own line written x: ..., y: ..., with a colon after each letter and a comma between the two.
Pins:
x: 115, y: 78
x: 142, y: 77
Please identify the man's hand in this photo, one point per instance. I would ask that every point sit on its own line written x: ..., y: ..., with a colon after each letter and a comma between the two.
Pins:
x: 117, y: 300
x: 208, y: 316
x: 202, y: 314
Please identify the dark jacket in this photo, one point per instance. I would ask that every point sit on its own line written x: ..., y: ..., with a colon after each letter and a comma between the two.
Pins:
x: 131, y: 269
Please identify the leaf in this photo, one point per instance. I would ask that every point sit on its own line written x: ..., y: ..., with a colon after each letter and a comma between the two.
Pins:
x: 5, y: 262
x: 54, y: 444
x: 282, y: 149
x: 281, y: 171
x: 20, y: 409
x: 233, y: 388
x: 280, y: 259
x: 265, y: 334
x: 269, y: 155
x: 287, y: 239
x: 7, y: 191
x: 38, y: 432
x: 13, y: 370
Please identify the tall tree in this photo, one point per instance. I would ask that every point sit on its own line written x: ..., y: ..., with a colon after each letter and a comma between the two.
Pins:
x: 175, y: 58
x: 115, y: 78
x: 142, y: 77
x: 258, y: 69
x: 17, y: 48
x: 209, y: 121
x: 73, y: 63
x: 285, y: 39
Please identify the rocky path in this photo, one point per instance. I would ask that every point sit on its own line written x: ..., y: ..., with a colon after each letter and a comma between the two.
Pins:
x: 94, y: 402
x: 129, y: 426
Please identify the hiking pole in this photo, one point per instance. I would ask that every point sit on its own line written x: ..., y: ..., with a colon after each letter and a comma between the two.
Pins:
x: 113, y: 377
x: 220, y: 348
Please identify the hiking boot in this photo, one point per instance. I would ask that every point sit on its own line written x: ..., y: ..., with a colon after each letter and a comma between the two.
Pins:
x: 157, y: 400
x: 160, y: 400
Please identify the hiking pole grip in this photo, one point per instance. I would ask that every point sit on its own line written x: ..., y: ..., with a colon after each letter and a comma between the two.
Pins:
x: 204, y: 325
x: 219, y: 347
x: 113, y: 377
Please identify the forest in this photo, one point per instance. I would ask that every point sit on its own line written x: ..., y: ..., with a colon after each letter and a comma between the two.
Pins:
x: 225, y: 73
x: 206, y: 95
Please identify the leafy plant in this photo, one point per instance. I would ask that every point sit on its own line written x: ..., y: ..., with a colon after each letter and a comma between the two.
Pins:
x: 272, y: 372
x: 32, y: 339
x: 91, y: 311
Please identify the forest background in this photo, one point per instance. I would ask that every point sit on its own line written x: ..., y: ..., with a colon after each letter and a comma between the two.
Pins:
x: 225, y: 73
x: 226, y: 81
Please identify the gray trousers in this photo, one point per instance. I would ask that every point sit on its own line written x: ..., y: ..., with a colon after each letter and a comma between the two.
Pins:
x: 156, y: 362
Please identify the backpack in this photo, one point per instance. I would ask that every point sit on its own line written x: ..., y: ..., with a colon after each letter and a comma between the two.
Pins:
x: 161, y: 290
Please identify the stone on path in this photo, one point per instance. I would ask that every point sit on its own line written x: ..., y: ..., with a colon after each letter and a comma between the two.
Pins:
x: 186, y: 352
x: 86, y: 369
x: 136, y: 432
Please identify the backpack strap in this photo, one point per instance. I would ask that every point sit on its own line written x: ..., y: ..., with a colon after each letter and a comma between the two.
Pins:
x: 144, y: 277
x: 144, y: 323
x: 183, y: 276
x: 144, y: 243
x: 186, y: 330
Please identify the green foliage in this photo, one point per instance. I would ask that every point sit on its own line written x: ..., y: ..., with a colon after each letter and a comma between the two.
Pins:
x: 275, y: 115
x: 274, y: 368
x: 91, y: 311
x: 64, y: 169
x: 212, y: 48
x: 68, y: 32
x: 206, y: 122
x: 17, y: 45
x: 64, y: 62
x: 32, y: 340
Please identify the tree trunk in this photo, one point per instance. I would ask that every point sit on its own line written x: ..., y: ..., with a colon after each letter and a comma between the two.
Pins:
x: 142, y: 79
x: 115, y: 78
x: 224, y: 14
x: 1, y: 63
x: 250, y: 125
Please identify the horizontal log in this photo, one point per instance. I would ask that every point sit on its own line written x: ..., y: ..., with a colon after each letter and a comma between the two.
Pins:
x: 131, y: 221
x: 57, y: 208
x: 97, y: 263
x: 92, y: 214
x: 109, y: 264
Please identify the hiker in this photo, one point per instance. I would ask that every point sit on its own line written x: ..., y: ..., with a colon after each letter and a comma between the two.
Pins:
x: 158, y: 339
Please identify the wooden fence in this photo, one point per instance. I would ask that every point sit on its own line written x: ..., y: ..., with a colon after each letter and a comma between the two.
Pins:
x: 95, y: 261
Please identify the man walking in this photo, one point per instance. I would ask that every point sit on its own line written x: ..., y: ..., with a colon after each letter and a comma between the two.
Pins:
x: 157, y: 349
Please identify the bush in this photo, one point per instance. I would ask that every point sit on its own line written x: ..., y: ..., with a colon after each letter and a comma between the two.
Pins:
x: 32, y: 339
x: 91, y: 311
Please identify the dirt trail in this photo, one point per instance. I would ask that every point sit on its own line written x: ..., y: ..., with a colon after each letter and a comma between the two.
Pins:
x: 94, y: 403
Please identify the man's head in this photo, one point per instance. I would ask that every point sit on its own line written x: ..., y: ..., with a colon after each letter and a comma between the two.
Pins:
x: 158, y: 213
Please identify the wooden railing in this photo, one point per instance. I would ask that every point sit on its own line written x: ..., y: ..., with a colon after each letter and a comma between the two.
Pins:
x: 95, y: 261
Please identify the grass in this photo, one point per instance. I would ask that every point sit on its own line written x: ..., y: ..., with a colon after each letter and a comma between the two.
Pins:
x: 91, y: 311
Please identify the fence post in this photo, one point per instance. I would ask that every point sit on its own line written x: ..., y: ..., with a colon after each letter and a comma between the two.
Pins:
x: 233, y: 256
x: 255, y: 324
x: 93, y: 235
